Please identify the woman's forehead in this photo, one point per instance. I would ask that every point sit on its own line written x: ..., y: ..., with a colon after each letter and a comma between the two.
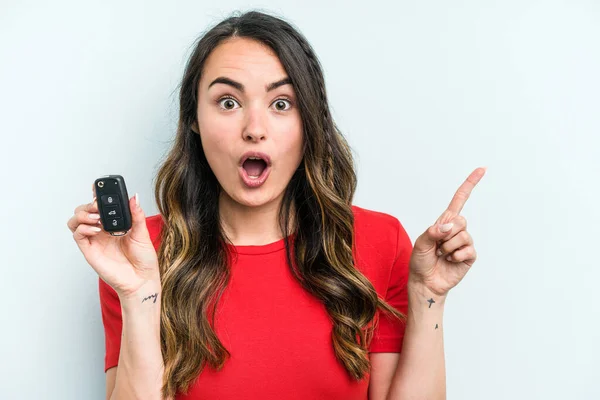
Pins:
x: 243, y: 59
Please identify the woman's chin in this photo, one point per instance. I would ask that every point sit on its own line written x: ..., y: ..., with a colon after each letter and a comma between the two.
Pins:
x: 248, y: 197
x: 254, y: 199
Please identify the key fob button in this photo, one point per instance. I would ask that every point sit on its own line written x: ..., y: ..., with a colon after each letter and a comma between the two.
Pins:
x: 110, y: 199
x: 115, y: 223
x: 111, y: 212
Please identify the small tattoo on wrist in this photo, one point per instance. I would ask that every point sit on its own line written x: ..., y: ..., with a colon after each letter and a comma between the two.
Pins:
x: 431, y: 301
x: 436, y: 326
x: 155, y: 295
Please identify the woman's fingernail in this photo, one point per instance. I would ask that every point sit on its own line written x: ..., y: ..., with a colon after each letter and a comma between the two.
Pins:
x: 94, y: 216
x: 446, y: 227
x: 439, y: 253
x: 96, y: 229
x: 449, y: 258
x: 137, y: 200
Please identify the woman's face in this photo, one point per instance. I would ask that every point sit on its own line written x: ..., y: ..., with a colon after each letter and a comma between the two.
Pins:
x: 243, y: 105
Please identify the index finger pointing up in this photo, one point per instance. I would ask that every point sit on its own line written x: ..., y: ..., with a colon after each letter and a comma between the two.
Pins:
x: 464, y: 191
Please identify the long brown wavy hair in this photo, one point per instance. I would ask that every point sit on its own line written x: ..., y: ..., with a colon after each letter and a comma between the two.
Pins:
x: 193, y: 256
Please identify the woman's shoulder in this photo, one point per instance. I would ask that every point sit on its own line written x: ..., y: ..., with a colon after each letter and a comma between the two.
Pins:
x: 154, y: 223
x: 376, y: 230
x: 380, y: 240
x: 372, y: 220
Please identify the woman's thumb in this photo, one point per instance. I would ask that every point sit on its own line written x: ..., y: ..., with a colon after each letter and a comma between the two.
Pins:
x: 432, y: 235
x: 139, y: 230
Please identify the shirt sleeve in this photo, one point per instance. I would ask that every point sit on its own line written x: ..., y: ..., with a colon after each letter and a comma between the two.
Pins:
x: 389, y: 333
x: 113, y: 323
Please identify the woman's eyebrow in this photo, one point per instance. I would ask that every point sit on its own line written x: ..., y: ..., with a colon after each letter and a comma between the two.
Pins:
x: 240, y: 87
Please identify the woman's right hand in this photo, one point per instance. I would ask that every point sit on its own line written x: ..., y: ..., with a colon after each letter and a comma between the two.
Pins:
x: 126, y: 262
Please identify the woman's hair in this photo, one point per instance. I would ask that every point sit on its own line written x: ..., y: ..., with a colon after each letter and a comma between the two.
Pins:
x: 193, y: 254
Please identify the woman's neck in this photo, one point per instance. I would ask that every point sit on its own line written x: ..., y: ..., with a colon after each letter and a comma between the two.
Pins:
x: 250, y: 226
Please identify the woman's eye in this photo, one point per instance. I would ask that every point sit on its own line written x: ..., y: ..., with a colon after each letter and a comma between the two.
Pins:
x: 281, y: 103
x: 227, y: 103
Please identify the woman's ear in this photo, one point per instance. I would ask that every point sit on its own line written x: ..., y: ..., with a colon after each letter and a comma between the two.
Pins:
x: 195, y: 127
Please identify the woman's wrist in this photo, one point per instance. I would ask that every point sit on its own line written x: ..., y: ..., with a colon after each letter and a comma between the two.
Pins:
x: 419, y: 293
x: 143, y: 298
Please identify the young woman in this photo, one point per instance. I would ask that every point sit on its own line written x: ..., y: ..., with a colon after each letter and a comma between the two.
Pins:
x: 259, y: 279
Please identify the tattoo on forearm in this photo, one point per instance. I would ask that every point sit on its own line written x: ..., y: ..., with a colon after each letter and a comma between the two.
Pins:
x: 436, y: 326
x: 155, y: 295
x: 431, y: 301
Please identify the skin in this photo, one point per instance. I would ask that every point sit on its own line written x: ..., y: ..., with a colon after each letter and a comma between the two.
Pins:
x: 255, y: 119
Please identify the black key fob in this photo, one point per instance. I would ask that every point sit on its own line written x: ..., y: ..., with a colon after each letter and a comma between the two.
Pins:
x: 113, y: 204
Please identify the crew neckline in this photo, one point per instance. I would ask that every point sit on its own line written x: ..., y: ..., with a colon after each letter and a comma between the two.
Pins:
x: 261, y: 248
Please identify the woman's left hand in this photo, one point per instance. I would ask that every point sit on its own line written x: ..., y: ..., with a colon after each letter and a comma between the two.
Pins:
x: 440, y: 259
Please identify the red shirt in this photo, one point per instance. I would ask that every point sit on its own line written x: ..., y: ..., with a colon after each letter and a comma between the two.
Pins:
x: 279, y: 336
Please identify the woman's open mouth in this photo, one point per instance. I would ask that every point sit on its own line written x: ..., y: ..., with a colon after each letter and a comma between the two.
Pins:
x: 254, y: 172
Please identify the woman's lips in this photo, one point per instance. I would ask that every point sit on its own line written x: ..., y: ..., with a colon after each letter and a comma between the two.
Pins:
x: 254, y: 182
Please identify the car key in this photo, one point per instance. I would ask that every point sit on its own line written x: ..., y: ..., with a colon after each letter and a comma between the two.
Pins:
x: 113, y: 204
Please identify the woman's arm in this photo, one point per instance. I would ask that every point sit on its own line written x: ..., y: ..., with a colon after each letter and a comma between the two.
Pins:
x: 440, y: 258
x: 421, y: 371
x: 140, y: 370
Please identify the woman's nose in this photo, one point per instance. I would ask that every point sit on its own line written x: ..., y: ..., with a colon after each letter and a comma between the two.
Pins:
x: 255, y: 128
